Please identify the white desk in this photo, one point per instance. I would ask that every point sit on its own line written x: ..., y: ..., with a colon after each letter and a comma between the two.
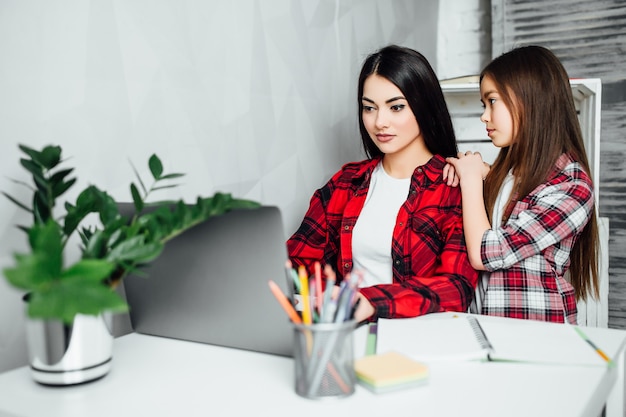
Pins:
x: 154, y: 376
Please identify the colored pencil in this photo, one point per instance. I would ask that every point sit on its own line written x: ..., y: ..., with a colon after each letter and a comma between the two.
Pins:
x: 284, y: 302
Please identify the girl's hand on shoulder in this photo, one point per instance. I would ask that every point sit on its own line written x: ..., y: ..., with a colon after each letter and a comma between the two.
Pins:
x: 449, y: 175
x: 468, y: 166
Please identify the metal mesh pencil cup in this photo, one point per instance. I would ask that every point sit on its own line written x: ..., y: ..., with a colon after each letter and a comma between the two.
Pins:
x: 324, y: 359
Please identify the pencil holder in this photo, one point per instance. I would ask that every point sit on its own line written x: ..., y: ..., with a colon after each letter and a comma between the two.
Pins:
x: 324, y: 360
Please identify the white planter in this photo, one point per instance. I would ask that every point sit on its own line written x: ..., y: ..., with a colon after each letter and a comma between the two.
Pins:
x: 69, y: 354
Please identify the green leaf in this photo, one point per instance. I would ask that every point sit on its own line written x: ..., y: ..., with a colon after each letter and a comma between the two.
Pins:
x: 60, y: 175
x: 156, y: 167
x: 49, y: 157
x: 94, y: 244
x: 109, y: 212
x: 28, y: 150
x: 171, y: 176
x: 60, y: 188
x: 135, y: 249
x: 32, y: 167
x: 90, y: 200
x: 115, y: 238
x: 137, y: 200
x: 44, y: 264
x: 165, y: 186
x: 68, y: 298
x: 23, y: 183
x: 17, y: 203
x: 143, y: 187
x: 30, y: 272
x: 41, y: 209
x: 88, y: 270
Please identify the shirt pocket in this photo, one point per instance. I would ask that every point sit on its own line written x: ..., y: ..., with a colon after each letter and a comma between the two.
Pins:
x: 426, y: 237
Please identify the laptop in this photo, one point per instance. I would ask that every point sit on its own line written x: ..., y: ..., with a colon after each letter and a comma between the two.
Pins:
x: 210, y: 284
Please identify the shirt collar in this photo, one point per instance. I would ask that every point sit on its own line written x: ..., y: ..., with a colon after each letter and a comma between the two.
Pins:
x: 432, y: 169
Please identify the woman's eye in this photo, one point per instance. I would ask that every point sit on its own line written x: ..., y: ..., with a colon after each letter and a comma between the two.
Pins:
x: 492, y: 100
x: 367, y: 109
x: 397, y: 107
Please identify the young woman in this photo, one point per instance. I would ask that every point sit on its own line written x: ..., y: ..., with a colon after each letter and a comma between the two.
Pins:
x: 392, y: 216
x: 530, y: 217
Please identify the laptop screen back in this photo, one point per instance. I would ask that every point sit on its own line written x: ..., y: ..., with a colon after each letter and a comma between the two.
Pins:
x: 210, y: 284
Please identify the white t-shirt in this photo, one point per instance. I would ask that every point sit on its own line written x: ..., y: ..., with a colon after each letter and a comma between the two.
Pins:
x: 373, y: 231
x: 496, y: 222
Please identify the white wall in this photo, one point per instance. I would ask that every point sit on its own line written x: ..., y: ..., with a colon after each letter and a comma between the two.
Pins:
x: 463, y: 37
x: 252, y: 97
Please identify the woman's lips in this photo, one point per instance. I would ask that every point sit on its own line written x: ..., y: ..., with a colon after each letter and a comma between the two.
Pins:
x: 384, y: 137
x: 490, y: 131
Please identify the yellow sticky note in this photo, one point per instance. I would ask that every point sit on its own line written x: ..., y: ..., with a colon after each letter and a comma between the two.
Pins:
x: 390, y: 371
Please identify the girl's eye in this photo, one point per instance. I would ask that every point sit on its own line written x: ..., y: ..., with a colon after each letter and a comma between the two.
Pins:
x: 367, y: 109
x: 489, y: 100
x: 397, y: 107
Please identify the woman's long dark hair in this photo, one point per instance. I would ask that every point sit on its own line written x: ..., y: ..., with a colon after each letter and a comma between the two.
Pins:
x: 534, y: 86
x: 412, y: 74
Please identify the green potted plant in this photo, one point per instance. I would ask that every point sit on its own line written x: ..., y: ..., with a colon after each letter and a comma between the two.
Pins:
x: 68, y: 304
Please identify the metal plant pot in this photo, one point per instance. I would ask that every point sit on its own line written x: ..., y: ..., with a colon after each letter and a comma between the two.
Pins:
x: 63, y: 354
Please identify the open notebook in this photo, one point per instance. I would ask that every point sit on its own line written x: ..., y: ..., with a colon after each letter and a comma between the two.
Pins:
x: 449, y: 337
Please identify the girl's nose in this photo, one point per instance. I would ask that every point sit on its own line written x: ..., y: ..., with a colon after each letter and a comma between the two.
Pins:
x: 484, y: 117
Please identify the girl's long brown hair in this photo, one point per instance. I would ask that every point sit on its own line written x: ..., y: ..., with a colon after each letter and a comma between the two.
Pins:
x: 535, y: 88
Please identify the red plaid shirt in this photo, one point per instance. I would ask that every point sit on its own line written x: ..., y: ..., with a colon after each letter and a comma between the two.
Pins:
x: 431, y: 269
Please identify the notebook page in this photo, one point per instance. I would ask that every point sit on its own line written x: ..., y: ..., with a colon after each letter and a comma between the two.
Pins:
x: 549, y: 343
x: 431, y: 338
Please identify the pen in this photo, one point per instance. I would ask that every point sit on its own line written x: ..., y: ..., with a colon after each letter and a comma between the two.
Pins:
x: 593, y: 345
x: 304, y: 292
x: 372, y: 333
x: 285, y: 304
x: 315, y: 317
x: 318, y: 287
x: 330, y: 309
x: 292, y: 273
x: 343, y: 302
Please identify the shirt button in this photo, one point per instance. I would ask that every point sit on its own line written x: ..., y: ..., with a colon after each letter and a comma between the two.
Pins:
x: 401, y: 224
x: 398, y: 262
x: 346, y: 227
x: 346, y: 265
x: 419, y: 170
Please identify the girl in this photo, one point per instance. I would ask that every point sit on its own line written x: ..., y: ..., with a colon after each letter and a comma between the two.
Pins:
x: 392, y: 216
x: 530, y: 217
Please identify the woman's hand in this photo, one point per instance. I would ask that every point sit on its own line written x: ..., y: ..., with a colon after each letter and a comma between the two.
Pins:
x: 364, y: 309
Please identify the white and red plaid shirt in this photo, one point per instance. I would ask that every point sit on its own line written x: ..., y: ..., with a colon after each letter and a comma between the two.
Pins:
x: 529, y: 255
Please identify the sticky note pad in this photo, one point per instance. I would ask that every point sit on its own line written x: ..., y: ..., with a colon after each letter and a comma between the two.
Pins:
x: 390, y: 371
